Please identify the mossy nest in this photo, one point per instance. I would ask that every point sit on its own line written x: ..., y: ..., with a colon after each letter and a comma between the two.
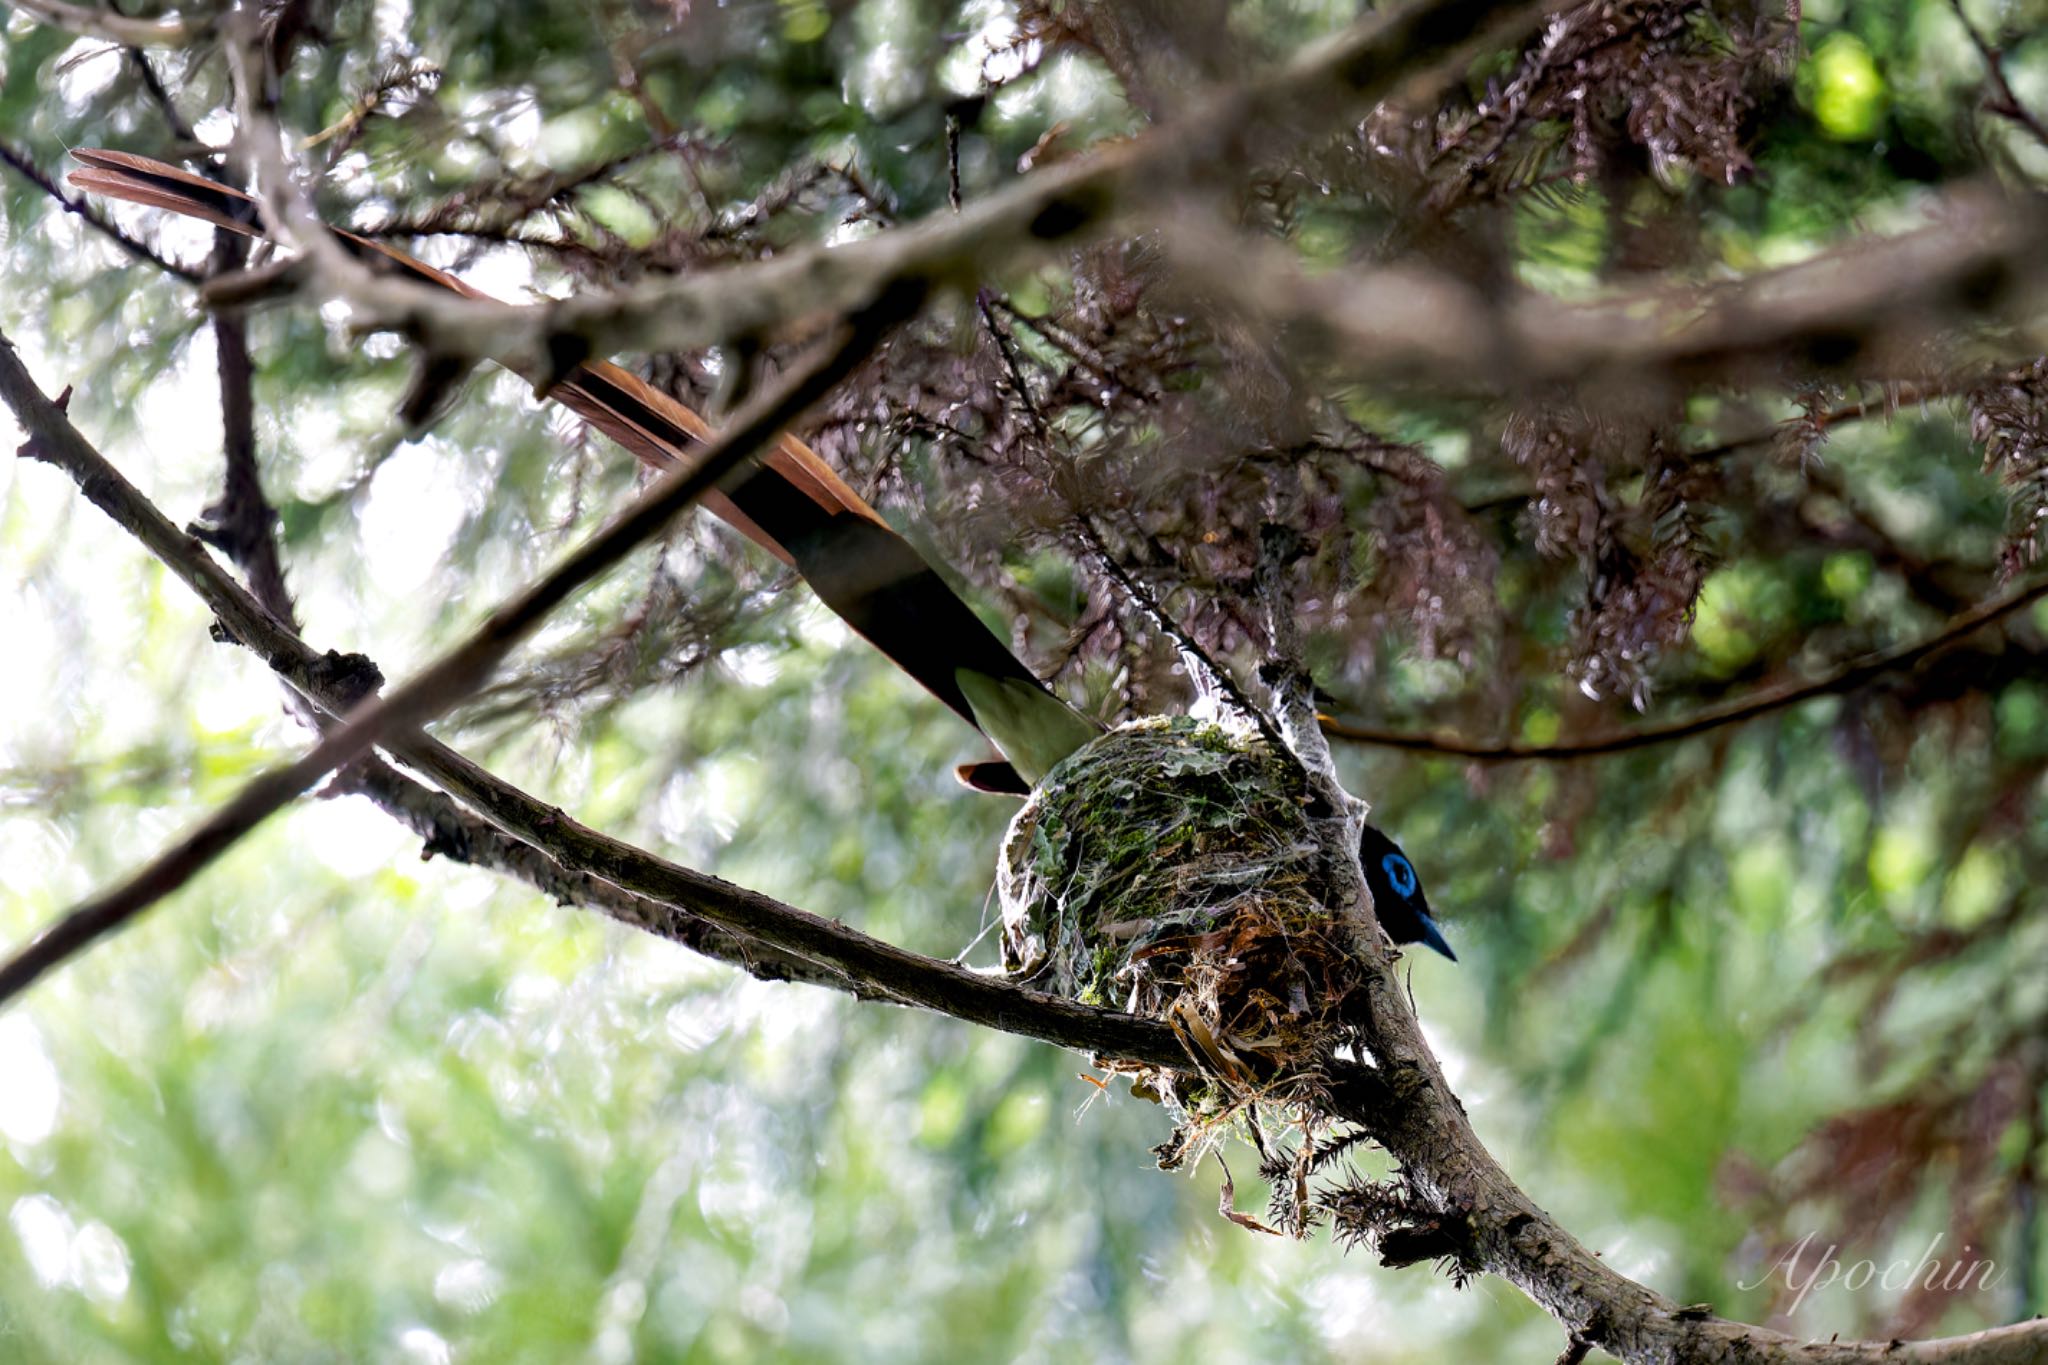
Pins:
x: 1169, y: 869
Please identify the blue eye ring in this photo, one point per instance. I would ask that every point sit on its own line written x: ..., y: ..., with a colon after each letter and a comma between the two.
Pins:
x: 1400, y: 874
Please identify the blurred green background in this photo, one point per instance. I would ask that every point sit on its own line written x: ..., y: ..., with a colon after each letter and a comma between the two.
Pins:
x: 335, y: 1102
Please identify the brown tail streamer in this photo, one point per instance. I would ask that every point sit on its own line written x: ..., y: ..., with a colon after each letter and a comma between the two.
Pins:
x: 788, y: 500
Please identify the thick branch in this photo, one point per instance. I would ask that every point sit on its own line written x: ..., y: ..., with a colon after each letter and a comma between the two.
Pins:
x: 89, y: 21
x: 1985, y: 252
x: 1480, y: 1217
x: 447, y: 830
x: 1493, y: 1226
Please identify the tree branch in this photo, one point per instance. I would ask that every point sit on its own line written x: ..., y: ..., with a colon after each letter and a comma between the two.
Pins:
x: 446, y: 829
x: 1984, y: 250
x: 2008, y: 103
x: 1485, y: 1220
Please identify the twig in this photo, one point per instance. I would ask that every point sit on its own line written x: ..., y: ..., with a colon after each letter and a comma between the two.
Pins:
x: 1848, y: 678
x: 1199, y: 660
x: 1735, y: 445
x: 2008, y: 103
x: 1087, y: 356
x: 1190, y: 648
x: 242, y: 524
x: 160, y: 93
x: 1304, y: 747
x: 953, y: 160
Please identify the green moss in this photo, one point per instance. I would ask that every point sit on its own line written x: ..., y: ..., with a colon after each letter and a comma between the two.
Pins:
x: 1168, y: 869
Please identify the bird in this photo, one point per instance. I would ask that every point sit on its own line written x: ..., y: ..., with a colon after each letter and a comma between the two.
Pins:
x: 795, y: 506
x: 1397, y: 897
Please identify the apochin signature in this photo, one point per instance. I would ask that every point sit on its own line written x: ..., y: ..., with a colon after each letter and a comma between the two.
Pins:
x: 1929, y: 1272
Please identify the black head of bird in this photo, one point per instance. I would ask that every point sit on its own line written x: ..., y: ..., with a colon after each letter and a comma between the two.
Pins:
x: 1397, y: 893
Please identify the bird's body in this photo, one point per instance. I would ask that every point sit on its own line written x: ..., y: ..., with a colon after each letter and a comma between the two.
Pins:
x: 797, y: 507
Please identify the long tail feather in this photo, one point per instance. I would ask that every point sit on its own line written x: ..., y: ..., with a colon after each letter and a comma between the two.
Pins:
x: 789, y: 501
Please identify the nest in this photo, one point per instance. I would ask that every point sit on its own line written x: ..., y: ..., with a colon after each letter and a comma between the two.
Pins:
x: 1168, y: 869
